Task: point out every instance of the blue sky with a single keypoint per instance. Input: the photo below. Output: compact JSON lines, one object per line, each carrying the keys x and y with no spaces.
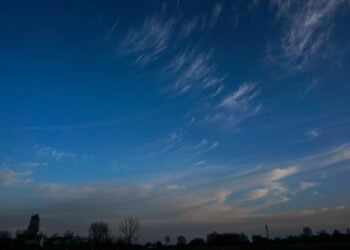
{"x":190,"y":115}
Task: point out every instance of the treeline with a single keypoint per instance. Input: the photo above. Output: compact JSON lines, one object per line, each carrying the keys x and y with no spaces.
{"x":100,"y":237}
{"x":305,"y":238}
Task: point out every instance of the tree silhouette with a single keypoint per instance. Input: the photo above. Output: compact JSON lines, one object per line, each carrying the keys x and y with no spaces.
{"x":167,"y":240}
{"x":181,"y":240}
{"x":68,"y":234}
{"x":5,"y":234}
{"x":130,"y":228}
{"x":307,"y":231}
{"x":99,"y":232}
{"x":226,"y":239}
{"x":197,"y":242}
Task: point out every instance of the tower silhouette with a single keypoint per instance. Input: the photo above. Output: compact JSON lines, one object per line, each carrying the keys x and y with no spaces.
{"x":267,"y":232}
{"x":33,"y":227}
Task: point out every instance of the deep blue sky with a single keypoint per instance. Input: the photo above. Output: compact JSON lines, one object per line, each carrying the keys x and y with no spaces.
{"x":190,"y":115}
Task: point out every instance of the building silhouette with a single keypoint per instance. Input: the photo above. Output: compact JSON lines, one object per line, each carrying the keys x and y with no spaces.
{"x":33,"y":227}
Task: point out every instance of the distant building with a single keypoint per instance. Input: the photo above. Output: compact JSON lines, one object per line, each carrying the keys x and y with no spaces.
{"x":33,"y":227}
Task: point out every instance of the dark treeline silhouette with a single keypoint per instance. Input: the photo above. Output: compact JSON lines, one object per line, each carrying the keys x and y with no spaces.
{"x":100,"y":237}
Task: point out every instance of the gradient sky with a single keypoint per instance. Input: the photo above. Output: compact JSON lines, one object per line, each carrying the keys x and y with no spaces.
{"x":192,"y":116}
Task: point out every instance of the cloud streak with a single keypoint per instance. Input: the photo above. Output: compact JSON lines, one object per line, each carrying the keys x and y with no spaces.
{"x":235,"y":107}
{"x":49,"y":152}
{"x":150,"y":40}
{"x":240,"y":98}
{"x":219,"y":195}
{"x":194,"y":71}
{"x":309,"y":27}
{"x":9,"y":177}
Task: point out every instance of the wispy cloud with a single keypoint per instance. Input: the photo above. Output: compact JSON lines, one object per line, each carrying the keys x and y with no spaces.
{"x":50,"y":152}
{"x":189,"y":26}
{"x":218,"y":90}
{"x":85,"y":124}
{"x":308,"y":28}
{"x":312,"y":133}
{"x":235,"y":107}
{"x":325,"y":158}
{"x":304,"y":185}
{"x":271,"y":186}
{"x":34,"y":164}
{"x":9,"y":177}
{"x":280,"y":173}
{"x":186,"y":150}
{"x":258,"y":193}
{"x":148,"y":41}
{"x":240,"y":98}
{"x":189,"y":69}
{"x":220,"y":195}
{"x":198,"y":163}
{"x":221,"y":191}
{"x":216,"y":12}
{"x":111,"y":30}
{"x":204,"y":22}
{"x":194,"y":71}
{"x":311,"y":86}
{"x":64,"y":192}
{"x":175,"y":147}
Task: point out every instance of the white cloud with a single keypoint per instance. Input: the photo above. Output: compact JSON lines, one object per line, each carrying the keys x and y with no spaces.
{"x":258,"y":193}
{"x":280,"y":173}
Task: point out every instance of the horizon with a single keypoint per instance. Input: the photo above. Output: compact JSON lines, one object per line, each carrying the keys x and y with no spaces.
{"x":191,"y":116}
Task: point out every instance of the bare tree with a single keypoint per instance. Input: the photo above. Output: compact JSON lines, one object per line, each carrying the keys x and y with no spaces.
{"x":130,"y":228}
{"x":100,"y":232}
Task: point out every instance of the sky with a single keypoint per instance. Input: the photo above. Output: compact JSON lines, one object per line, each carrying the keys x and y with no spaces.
{"x":192,"y":116}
